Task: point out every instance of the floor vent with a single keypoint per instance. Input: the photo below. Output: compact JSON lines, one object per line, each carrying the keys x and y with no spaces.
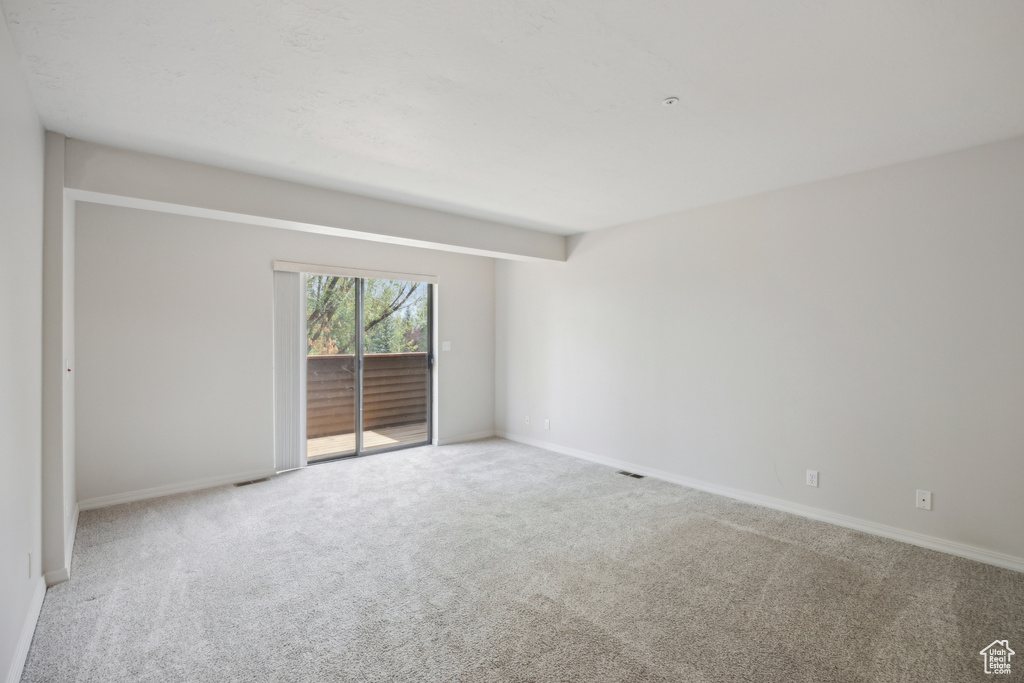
{"x":254,"y":481}
{"x":630,"y":474}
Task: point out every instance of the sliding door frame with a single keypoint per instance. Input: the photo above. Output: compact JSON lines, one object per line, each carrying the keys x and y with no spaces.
{"x":284,"y":408}
{"x":358,"y":362}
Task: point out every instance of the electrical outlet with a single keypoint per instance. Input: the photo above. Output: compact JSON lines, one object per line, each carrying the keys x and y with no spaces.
{"x":924,"y":499}
{"x":547,"y":424}
{"x":527,"y":420}
{"x":812,"y":478}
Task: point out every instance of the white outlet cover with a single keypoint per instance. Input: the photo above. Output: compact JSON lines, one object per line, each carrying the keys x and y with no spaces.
{"x":446,"y":346}
{"x":812,"y":478}
{"x":547,"y":424}
{"x":924,"y":499}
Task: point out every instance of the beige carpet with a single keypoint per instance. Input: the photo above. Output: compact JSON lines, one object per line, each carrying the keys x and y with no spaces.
{"x":494,"y":561}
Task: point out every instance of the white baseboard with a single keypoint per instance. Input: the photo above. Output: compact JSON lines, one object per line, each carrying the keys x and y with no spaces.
{"x":55,"y":576}
{"x":931,"y":542}
{"x":171,"y":489}
{"x":27,"y":630}
{"x":462,"y":438}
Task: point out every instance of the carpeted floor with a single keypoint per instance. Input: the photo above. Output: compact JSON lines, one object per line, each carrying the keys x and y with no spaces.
{"x":494,"y":561}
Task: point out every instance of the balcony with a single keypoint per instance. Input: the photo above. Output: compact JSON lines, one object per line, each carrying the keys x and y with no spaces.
{"x":395,"y":401}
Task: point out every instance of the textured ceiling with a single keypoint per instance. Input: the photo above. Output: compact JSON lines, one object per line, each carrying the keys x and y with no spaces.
{"x":543,"y":114}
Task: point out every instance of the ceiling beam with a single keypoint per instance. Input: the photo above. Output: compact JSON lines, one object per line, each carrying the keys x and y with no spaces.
{"x":108,"y":175}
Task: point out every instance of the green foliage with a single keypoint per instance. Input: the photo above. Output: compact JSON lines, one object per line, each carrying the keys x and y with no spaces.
{"x":394,"y":315}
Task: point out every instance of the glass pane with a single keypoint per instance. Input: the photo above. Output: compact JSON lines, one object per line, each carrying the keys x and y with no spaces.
{"x":395,"y":370}
{"x":330,"y":366}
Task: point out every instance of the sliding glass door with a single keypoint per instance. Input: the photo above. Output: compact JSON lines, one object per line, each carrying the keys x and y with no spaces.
{"x":368,"y":365}
{"x":331,"y":366}
{"x":396,"y":363}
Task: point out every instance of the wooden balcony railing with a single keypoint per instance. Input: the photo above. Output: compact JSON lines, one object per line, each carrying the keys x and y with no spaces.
{"x":394,"y":388}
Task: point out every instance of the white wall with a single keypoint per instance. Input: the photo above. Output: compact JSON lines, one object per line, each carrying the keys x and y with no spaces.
{"x":174,"y":342}
{"x":21,"y":267}
{"x":870,"y":327}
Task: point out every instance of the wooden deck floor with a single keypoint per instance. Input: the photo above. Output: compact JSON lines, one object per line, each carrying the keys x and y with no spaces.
{"x":328,"y":446}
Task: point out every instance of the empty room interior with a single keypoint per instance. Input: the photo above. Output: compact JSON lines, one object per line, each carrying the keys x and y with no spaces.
{"x":511,"y":341}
